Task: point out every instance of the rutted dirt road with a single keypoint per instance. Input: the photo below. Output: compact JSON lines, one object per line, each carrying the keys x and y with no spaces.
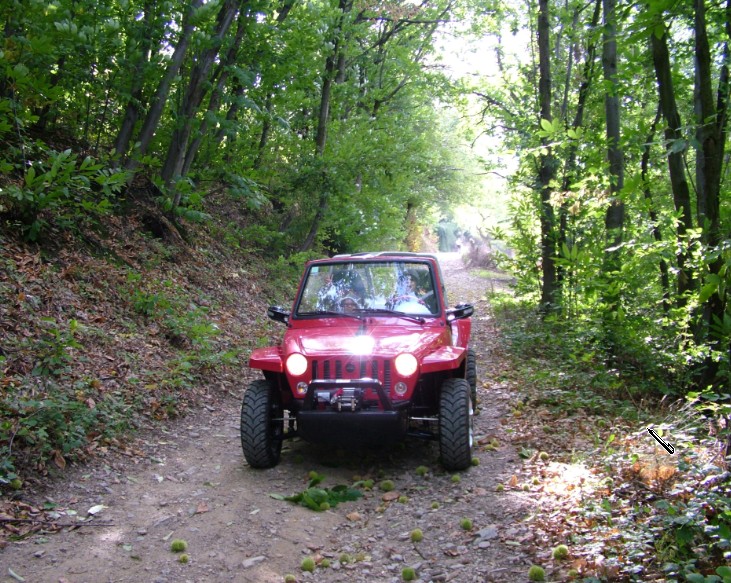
{"x":189,"y":481}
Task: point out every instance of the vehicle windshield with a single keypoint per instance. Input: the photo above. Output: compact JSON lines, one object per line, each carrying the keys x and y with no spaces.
{"x":406,"y":287}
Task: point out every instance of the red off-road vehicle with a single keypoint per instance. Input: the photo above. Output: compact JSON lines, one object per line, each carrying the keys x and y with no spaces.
{"x":371,"y":354}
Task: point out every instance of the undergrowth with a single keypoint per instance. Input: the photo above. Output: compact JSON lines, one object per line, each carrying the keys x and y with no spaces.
{"x":646,"y":514}
{"x":96,"y":345}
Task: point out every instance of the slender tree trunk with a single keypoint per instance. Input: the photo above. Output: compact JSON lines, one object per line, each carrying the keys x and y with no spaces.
{"x":676,"y":165}
{"x":647,"y":192}
{"x":134,"y":105}
{"x":572,"y":155}
{"x":266,"y":127}
{"x":334,"y":72}
{"x":547,"y":169}
{"x":199,"y":75}
{"x":157,"y":105}
{"x":222,"y":75}
{"x":711,"y":124}
{"x":283,"y":11}
{"x":614,"y":219}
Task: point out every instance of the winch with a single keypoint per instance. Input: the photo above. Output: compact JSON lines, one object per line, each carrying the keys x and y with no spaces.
{"x":347,"y":399}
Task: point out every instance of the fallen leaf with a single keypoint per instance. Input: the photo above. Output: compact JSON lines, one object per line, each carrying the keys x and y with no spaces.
{"x":59,"y":460}
{"x":201,"y":508}
{"x":390,"y":496}
{"x":94,"y":510}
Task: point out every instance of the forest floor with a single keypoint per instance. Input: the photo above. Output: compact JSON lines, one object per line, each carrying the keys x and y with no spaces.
{"x":112,"y":516}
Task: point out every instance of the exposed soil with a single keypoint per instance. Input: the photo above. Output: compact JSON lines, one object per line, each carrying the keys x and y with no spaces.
{"x":188,"y":480}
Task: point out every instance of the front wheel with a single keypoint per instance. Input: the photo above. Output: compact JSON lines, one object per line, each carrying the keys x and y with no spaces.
{"x":455,"y":425}
{"x":471,"y":376}
{"x":262,"y":425}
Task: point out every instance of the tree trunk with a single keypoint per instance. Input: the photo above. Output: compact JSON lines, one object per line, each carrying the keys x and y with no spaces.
{"x":199,"y":76}
{"x":711,"y":126}
{"x":645,"y":168}
{"x":334,"y":72}
{"x":572,"y":154}
{"x":676,"y":166}
{"x":614,"y":220}
{"x":221,"y":75}
{"x":134,"y":105}
{"x":158,"y":102}
{"x":547,"y":170}
{"x":284,"y":10}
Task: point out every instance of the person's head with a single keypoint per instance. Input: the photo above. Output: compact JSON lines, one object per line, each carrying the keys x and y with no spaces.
{"x":349,"y":304}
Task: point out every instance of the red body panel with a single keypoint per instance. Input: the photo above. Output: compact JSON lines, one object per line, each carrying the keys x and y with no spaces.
{"x":347,"y":347}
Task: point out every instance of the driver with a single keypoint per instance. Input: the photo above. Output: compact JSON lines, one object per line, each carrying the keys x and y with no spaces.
{"x":349,"y":304}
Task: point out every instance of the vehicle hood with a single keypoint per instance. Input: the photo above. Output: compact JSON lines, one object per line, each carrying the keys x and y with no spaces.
{"x":375,"y":340}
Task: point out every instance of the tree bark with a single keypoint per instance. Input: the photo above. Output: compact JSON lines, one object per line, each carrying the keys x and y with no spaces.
{"x":221,"y":76}
{"x":676,"y":165}
{"x":647,"y":192}
{"x":158,"y":102}
{"x":547,"y":169}
{"x":334,"y":73}
{"x":199,"y":75}
{"x":134,"y":105}
{"x":572,"y":154}
{"x":614,"y":220}
{"x":711,"y":125}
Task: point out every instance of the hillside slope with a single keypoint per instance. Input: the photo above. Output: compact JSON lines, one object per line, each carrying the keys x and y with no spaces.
{"x":108,"y":328}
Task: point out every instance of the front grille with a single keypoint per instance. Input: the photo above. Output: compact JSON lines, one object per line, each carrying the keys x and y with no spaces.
{"x":354,"y":368}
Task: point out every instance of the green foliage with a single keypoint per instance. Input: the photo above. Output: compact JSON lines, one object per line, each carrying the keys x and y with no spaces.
{"x":320,"y":499}
{"x":62,"y":190}
{"x":57,"y":426}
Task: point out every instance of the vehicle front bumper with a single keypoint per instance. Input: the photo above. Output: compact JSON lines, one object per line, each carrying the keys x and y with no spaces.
{"x":345,"y":418}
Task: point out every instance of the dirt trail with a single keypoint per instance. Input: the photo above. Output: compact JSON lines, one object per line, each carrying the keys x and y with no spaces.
{"x":189,"y":481}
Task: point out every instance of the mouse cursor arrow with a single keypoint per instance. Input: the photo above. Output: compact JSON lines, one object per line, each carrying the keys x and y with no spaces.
{"x":669,"y":448}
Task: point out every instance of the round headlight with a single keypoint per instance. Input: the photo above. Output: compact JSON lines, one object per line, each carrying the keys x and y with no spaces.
{"x":296,"y":364}
{"x":405,"y":364}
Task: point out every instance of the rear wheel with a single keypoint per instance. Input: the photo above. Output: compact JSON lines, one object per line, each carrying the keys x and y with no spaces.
{"x":262,"y":425}
{"x":455,"y":425}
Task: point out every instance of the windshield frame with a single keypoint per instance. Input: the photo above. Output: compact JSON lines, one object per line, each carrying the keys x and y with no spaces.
{"x":378,"y":304}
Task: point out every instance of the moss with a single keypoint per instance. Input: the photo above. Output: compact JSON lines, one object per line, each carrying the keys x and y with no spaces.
{"x":466,"y":524}
{"x":417,"y":535}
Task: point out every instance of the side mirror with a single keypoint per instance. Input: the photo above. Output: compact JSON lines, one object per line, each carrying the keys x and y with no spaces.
{"x":460,"y":311}
{"x":278,"y":314}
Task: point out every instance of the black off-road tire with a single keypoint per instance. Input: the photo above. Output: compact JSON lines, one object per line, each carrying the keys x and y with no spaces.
{"x":455,"y":425}
{"x":470,"y":375}
{"x":262,"y":427}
